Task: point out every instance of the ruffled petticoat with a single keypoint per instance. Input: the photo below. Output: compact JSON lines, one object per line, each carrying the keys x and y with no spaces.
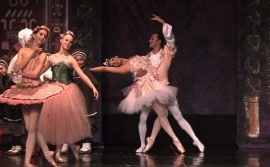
{"x":30,"y":95}
{"x":63,"y":119}
{"x":142,"y":94}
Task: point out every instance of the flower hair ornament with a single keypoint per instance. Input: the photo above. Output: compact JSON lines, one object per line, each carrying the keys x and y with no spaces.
{"x":79,"y":53}
{"x":106,"y":63}
{"x":67,"y":33}
{"x":35,"y":30}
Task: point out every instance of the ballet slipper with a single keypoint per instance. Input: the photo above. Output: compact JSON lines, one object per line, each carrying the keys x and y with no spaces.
{"x":199,"y":145}
{"x":58,"y":157}
{"x":179,"y":146}
{"x":140,"y":150}
{"x":149,"y":144}
{"x":49,"y":157}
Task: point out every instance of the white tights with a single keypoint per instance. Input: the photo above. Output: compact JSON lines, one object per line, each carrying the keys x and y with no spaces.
{"x":161,"y":121}
{"x":174,"y":109}
{"x":31,"y":116}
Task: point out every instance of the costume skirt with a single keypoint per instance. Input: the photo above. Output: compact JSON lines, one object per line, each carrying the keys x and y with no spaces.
{"x":30,"y":95}
{"x":63,"y":119}
{"x":142,"y":95}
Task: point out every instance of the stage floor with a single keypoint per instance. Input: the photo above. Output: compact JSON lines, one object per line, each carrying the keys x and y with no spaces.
{"x":125,"y":156}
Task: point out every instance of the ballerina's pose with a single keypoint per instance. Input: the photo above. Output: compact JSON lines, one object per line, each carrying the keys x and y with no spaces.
{"x":63,"y":119}
{"x":146,"y":91}
{"x":80,"y":56}
{"x":31,"y":92}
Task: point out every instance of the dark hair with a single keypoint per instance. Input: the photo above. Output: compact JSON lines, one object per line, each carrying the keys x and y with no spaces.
{"x":161,"y":38}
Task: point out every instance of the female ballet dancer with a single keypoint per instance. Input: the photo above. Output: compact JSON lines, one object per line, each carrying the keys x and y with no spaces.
{"x":31,"y":92}
{"x":80,"y":56}
{"x":63,"y":119}
{"x":145,"y":92}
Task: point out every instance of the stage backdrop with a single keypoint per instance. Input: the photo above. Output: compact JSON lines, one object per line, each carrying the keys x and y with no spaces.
{"x":16,"y":15}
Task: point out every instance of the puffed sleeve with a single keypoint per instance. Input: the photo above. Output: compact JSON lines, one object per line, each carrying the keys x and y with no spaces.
{"x":168,"y":35}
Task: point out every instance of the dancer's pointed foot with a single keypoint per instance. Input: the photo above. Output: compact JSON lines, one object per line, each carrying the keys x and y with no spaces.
{"x":199,"y":145}
{"x":149,"y":144}
{"x":59,"y":159}
{"x":49,"y":157}
{"x":179,"y":146}
{"x":140,"y":150}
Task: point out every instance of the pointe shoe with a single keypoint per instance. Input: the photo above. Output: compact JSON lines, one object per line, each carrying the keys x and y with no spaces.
{"x":149,"y":144}
{"x":140,"y":150}
{"x":179,"y":146}
{"x":27,"y":164}
{"x":49,"y":157}
{"x":58,"y":158}
{"x":199,"y":145}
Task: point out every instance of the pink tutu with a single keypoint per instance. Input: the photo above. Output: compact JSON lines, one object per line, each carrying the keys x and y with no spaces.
{"x":63,"y":119}
{"x":30,"y":95}
{"x":143,"y":93}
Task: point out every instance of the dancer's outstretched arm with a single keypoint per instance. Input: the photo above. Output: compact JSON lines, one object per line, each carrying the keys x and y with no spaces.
{"x":86,"y":80}
{"x":124,"y":69}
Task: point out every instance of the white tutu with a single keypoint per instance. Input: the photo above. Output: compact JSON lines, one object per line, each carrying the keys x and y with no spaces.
{"x":139,"y":96}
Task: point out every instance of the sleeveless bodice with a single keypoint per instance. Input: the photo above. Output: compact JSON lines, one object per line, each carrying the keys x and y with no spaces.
{"x":62,"y":73}
{"x":31,"y":65}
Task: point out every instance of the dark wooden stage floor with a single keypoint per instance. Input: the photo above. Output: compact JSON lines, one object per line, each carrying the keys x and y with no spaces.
{"x":124,"y":156}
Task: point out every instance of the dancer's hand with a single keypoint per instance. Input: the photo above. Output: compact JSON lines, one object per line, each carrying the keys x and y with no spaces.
{"x":157,"y":18}
{"x":96,"y":94}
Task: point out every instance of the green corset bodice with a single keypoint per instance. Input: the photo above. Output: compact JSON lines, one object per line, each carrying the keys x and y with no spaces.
{"x":62,"y":73}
